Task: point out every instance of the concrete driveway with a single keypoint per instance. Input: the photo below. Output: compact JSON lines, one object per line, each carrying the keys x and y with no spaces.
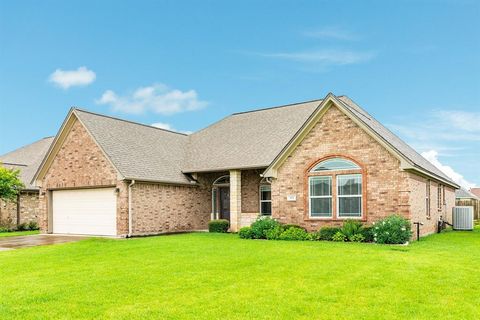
{"x":9,"y":243}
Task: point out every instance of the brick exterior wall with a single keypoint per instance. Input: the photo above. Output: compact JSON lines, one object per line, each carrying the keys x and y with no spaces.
{"x":418,"y":205}
{"x":80,"y":163}
{"x":8,"y":213}
{"x":388,"y":189}
{"x":29,"y":209}
{"x":159,"y":208}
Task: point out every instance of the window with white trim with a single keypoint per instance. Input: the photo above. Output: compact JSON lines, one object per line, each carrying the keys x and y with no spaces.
{"x":320,"y":196}
{"x":335,"y":190}
{"x":265,"y":200}
{"x":349,"y":195}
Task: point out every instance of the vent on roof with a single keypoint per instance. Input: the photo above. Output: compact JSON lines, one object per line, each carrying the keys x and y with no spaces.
{"x":463,"y":218}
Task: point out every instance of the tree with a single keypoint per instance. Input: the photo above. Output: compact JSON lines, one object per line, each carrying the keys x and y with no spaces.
{"x":10,"y":183}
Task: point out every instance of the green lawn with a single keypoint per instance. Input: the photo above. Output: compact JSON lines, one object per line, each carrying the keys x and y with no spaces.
{"x":18,"y":233}
{"x":218,"y":276}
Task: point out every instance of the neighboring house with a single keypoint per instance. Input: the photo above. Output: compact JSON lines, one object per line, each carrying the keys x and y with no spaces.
{"x":26,"y":159}
{"x":468,"y":198}
{"x":313,"y":164}
{"x":475,"y":191}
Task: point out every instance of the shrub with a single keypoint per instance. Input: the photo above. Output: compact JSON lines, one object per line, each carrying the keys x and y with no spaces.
{"x":351,"y":228}
{"x":358,"y":237}
{"x":23,"y":227}
{"x":33,"y":225}
{"x":327,"y":233}
{"x":288,"y":226}
{"x":4,"y":229}
{"x":393,"y":229}
{"x":367,"y":233}
{"x":245,"y":233}
{"x":262,"y":225}
{"x":339,"y":237}
{"x":274,"y":234}
{"x":220,"y":226}
{"x":294,"y":233}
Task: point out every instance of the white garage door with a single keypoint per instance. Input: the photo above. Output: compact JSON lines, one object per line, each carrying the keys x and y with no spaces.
{"x":85,"y":211}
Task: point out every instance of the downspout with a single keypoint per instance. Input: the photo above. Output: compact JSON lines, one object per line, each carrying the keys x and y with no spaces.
{"x":130,"y":208}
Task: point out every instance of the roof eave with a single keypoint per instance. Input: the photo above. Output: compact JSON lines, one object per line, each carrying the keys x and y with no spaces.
{"x":228,"y":168}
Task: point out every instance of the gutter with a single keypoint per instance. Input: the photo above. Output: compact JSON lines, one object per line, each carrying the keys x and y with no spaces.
{"x":130,"y":209}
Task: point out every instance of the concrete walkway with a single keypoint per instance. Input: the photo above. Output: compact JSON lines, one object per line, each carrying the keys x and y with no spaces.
{"x":8,"y":243}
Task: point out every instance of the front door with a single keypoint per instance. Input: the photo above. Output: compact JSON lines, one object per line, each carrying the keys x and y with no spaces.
{"x":224,"y":203}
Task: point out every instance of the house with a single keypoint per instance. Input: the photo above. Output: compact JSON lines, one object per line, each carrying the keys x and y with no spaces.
{"x":26,"y":159}
{"x":313,"y":163}
{"x":464,"y":197}
{"x":475,"y":191}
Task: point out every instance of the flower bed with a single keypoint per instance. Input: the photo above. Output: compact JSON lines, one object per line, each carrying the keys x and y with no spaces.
{"x":393,"y":229}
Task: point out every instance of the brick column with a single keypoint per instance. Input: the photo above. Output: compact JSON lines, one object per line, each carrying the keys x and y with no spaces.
{"x":235,"y":199}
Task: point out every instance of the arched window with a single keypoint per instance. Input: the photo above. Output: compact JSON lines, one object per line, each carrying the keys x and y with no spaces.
{"x":335,"y":190}
{"x":223,"y":180}
{"x":335,"y":164}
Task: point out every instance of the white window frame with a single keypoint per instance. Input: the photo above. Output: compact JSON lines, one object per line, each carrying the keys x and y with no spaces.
{"x":310,"y":197}
{"x":338,"y":196}
{"x":262,"y":201}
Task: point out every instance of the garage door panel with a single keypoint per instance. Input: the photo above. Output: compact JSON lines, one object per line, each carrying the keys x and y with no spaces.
{"x":85,"y":211}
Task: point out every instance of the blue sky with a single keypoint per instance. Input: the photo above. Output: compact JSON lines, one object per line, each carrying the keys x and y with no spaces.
{"x":414,"y":65}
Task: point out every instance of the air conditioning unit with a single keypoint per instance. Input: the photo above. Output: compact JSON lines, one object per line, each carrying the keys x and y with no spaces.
{"x":463,"y":218}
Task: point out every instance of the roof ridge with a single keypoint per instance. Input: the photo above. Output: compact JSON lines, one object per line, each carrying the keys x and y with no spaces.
{"x":129,"y":121}
{"x":276,"y":107}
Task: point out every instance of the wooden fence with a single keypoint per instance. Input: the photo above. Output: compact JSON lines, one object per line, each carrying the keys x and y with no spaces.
{"x":470,"y":202}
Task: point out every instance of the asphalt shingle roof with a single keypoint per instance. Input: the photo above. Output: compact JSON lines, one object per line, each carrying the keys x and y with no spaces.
{"x":462,"y":193}
{"x":248,"y":139}
{"x":242,"y":140}
{"x":139,"y":151}
{"x":27,"y":159}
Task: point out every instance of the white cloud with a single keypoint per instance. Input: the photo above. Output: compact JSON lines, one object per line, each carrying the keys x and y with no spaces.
{"x":432,"y":156}
{"x":324,"y":57}
{"x":167,"y":126}
{"x":157,"y":98}
{"x":331,"y":33}
{"x":71,"y":78}
{"x":468,"y":121}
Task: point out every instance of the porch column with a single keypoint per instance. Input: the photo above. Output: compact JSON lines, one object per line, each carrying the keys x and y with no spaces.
{"x":235,"y":199}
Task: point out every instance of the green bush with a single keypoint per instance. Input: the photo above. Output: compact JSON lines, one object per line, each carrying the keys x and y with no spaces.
{"x":358,"y":237}
{"x":394,"y":229}
{"x":339,"y":237}
{"x":262,"y":226}
{"x":351,"y":228}
{"x":33,"y":225}
{"x":245,"y":233}
{"x":4,"y":229}
{"x":274,"y":234}
{"x":327,"y":233}
{"x":220,"y":226}
{"x":367,"y":233}
{"x":23,"y":227}
{"x":288,"y":226}
{"x":294,"y":233}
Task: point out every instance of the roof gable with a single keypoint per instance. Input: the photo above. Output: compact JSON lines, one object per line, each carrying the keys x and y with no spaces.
{"x":409,"y":158}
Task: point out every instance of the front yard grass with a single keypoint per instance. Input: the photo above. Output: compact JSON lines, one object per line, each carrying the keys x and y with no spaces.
{"x":219,"y":276}
{"x":18,"y":233}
